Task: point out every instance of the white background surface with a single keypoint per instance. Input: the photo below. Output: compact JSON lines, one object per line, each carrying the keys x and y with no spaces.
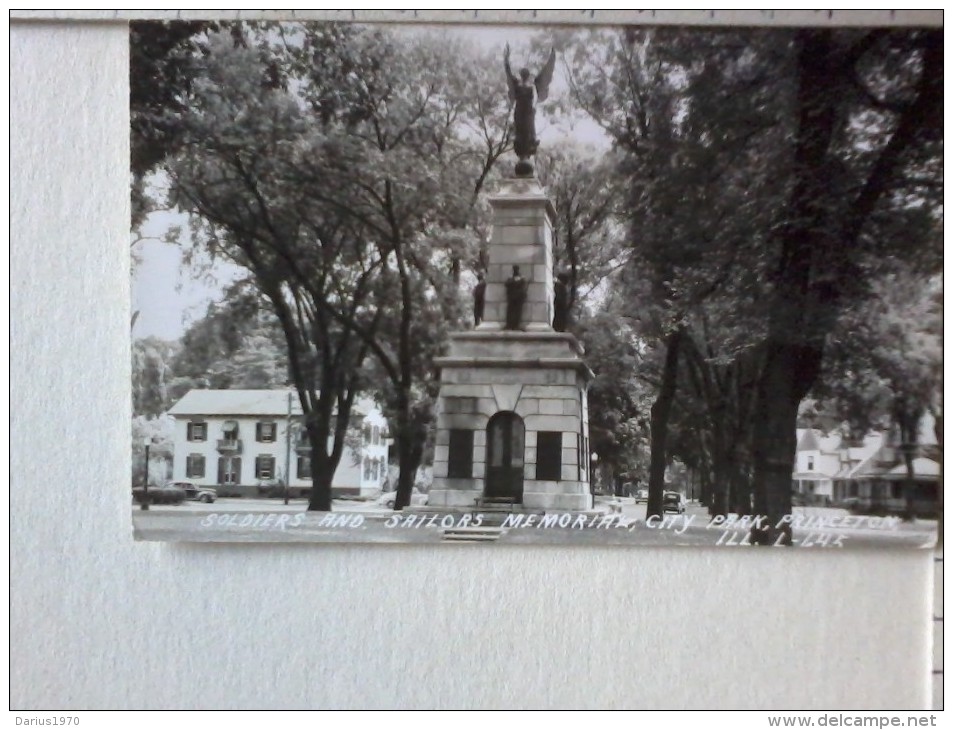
{"x":99,"y":621}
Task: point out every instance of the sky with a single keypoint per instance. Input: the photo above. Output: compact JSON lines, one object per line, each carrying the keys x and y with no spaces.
{"x":168,"y":296}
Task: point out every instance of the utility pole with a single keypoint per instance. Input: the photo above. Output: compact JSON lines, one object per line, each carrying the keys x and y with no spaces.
{"x":145,"y":483}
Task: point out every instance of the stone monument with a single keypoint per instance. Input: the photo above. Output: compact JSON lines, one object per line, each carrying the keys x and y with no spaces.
{"x":512,"y":412}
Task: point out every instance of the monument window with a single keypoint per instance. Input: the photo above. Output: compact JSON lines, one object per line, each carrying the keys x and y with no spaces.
{"x":549,"y":455}
{"x":460,"y":456}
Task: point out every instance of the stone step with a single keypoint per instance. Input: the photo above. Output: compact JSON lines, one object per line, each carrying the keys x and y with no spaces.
{"x":472,"y":534}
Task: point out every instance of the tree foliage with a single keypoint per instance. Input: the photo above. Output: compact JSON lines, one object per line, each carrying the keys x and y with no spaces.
{"x":769,"y":173}
{"x":341,"y":168}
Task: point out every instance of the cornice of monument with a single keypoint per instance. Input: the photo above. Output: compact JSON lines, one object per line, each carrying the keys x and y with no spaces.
{"x":516,"y":191}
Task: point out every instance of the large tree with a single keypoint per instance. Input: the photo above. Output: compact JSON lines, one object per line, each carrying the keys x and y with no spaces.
{"x":245,"y":170}
{"x":688,"y":112}
{"x":342,"y":168}
{"x":768,"y":168}
{"x":424,"y":124}
{"x":867,"y":127}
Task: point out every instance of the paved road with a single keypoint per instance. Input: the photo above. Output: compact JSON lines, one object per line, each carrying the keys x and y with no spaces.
{"x":259,"y":520}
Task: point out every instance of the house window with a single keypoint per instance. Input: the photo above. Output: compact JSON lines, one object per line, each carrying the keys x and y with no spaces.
{"x":197,"y":431}
{"x":303,"y":468}
{"x":265,"y":467}
{"x":896,"y":490}
{"x":460,"y":454}
{"x":367,"y":433}
{"x":265,"y":431}
{"x":852,"y":490}
{"x":549,"y":455}
{"x":810,"y":463}
{"x":376,"y":437}
{"x":194,"y":466}
{"x":367,"y":469}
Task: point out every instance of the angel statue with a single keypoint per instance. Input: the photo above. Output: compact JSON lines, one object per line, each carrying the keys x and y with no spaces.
{"x":526,"y":94}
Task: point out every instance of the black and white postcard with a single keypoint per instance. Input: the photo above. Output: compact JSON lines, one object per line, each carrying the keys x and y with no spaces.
{"x":634,"y":285}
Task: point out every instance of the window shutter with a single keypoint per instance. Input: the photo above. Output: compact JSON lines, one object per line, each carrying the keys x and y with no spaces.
{"x":221,"y":470}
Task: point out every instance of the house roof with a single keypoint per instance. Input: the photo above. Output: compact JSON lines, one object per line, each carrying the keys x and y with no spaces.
{"x":922,"y":468}
{"x":868,"y":467}
{"x":203,"y":402}
{"x":807,"y":441}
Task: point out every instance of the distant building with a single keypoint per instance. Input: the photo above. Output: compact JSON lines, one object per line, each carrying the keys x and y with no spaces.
{"x":243,"y":443}
{"x":869,"y":476}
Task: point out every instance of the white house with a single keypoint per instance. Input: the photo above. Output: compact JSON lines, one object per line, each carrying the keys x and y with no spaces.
{"x":248,"y":442}
{"x":819,"y":457}
{"x":830,"y":470}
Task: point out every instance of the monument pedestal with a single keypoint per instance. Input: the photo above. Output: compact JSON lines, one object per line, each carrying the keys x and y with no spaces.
{"x":512,"y":413}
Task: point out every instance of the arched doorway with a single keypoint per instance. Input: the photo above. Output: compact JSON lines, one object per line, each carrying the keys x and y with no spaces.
{"x":505,"y":442}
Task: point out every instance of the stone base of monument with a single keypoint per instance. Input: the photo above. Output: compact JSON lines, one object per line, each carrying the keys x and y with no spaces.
{"x":512,"y":413}
{"x":520,"y":397}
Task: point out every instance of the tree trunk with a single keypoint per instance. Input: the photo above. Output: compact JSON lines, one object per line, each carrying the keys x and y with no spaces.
{"x":406,"y":474}
{"x":719,"y":487}
{"x":740,"y":489}
{"x":322,"y":471}
{"x":774,"y":438}
{"x":908,"y":484}
{"x":908,"y":419}
{"x":411,"y":437}
{"x":798,"y":317}
{"x":661,"y":410}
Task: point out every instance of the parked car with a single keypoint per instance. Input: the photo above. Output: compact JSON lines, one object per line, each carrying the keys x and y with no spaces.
{"x":641,"y":495}
{"x":271,"y":488}
{"x":672,"y":502}
{"x":167,"y":494}
{"x":387,"y":499}
{"x":196,"y":492}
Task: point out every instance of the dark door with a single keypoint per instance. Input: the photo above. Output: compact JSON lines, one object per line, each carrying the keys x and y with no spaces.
{"x":505,"y":444}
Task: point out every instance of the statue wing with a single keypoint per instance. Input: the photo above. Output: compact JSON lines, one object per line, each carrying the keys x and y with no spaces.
{"x":511,"y":81}
{"x":545,"y":77}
